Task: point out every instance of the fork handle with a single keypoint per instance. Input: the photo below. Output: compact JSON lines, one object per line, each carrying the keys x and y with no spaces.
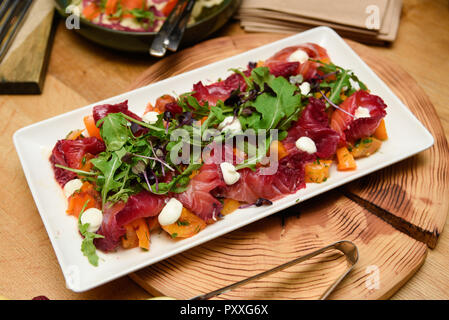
{"x":160,"y":42}
{"x":175,"y":37}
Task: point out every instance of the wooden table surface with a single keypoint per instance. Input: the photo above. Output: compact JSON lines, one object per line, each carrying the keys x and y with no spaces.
{"x":28,"y":265}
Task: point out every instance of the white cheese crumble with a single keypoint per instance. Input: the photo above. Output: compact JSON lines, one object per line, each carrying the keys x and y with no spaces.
{"x":150,"y":117}
{"x":71,"y":186}
{"x":230,"y":174}
{"x":299,"y":55}
{"x":130,"y":23}
{"x":304,"y":88}
{"x":306,"y":144}
{"x":231,"y":125}
{"x":170,"y":213}
{"x":94,"y":217}
{"x":200,"y":4}
{"x":361,"y":112}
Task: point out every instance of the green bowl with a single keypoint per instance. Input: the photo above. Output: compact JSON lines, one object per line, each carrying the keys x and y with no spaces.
{"x":210,"y":21}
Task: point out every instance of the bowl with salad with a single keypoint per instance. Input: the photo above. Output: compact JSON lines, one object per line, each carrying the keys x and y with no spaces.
{"x":131,"y":25}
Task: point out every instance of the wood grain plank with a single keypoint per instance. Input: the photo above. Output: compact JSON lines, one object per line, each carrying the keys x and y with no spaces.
{"x":414,"y":190}
{"x":283,"y":237}
{"x":20,"y":71}
{"x":95,"y":73}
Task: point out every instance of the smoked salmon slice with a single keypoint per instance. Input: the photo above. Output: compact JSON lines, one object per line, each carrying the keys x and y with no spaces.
{"x":348,"y":126}
{"x":307,"y":69}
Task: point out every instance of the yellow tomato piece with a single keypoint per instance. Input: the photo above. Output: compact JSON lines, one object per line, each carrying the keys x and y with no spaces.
{"x":366,"y":147}
{"x":345,"y":160}
{"x":229,"y":206}
{"x":278,"y":147}
{"x":187,"y":225}
{"x":317,"y":171}
{"x":142,"y":232}
{"x":381,"y":131}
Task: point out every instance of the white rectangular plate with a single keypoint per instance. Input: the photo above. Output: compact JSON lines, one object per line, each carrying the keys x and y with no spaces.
{"x":407,"y":136}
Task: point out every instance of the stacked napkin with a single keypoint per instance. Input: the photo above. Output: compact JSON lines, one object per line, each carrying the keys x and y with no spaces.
{"x":371,"y":21}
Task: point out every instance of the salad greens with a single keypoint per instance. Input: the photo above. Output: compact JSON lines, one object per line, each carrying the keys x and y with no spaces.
{"x":138,"y":155}
{"x":87,"y":246}
{"x":336,"y":81}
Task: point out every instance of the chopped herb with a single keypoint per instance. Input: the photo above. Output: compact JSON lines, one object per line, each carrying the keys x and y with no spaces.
{"x":81,"y":172}
{"x":367,"y":140}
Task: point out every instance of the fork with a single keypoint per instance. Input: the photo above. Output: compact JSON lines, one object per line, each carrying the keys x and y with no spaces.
{"x":171,"y":32}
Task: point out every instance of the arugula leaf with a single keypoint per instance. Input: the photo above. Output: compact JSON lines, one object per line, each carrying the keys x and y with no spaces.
{"x":142,"y":14}
{"x":261,"y":75}
{"x":156,"y":129}
{"x":178,"y":184}
{"x":190,"y":103}
{"x":273,"y":109}
{"x":108,"y":163}
{"x":341,"y":83}
{"x":218,"y":112}
{"x":87,"y":245}
{"x":80,"y":172}
{"x":114,"y":131}
{"x":337,"y":86}
{"x":260,"y":154}
{"x":250,"y":121}
{"x":119,"y":11}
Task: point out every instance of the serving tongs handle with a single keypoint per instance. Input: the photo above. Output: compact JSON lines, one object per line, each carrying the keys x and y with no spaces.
{"x":171,"y":32}
{"x":348,"y":248}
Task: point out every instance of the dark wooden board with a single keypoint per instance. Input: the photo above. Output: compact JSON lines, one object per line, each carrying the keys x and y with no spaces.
{"x":23,"y":69}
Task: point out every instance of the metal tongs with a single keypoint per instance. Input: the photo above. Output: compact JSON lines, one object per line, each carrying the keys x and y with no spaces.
{"x":171,"y":32}
{"x":348,"y":248}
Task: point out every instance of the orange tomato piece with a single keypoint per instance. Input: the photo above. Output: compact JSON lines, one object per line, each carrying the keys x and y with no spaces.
{"x":187,"y":225}
{"x":75,"y":134}
{"x":366,"y":147}
{"x":137,"y":235}
{"x":162,"y":101}
{"x":130,"y":5}
{"x":130,"y":240}
{"x":153,"y":223}
{"x":91,"y":127}
{"x":143,"y":233}
{"x":91,"y":11}
{"x":345,"y":160}
{"x":88,"y":194}
{"x":111,"y":7}
{"x":381,"y":131}
{"x":85,"y":164}
{"x":150,"y":108}
{"x":229,"y":206}
{"x":169,"y":7}
{"x":203,"y":119}
{"x":278,"y":147}
{"x":194,"y":173}
{"x":317,"y":171}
